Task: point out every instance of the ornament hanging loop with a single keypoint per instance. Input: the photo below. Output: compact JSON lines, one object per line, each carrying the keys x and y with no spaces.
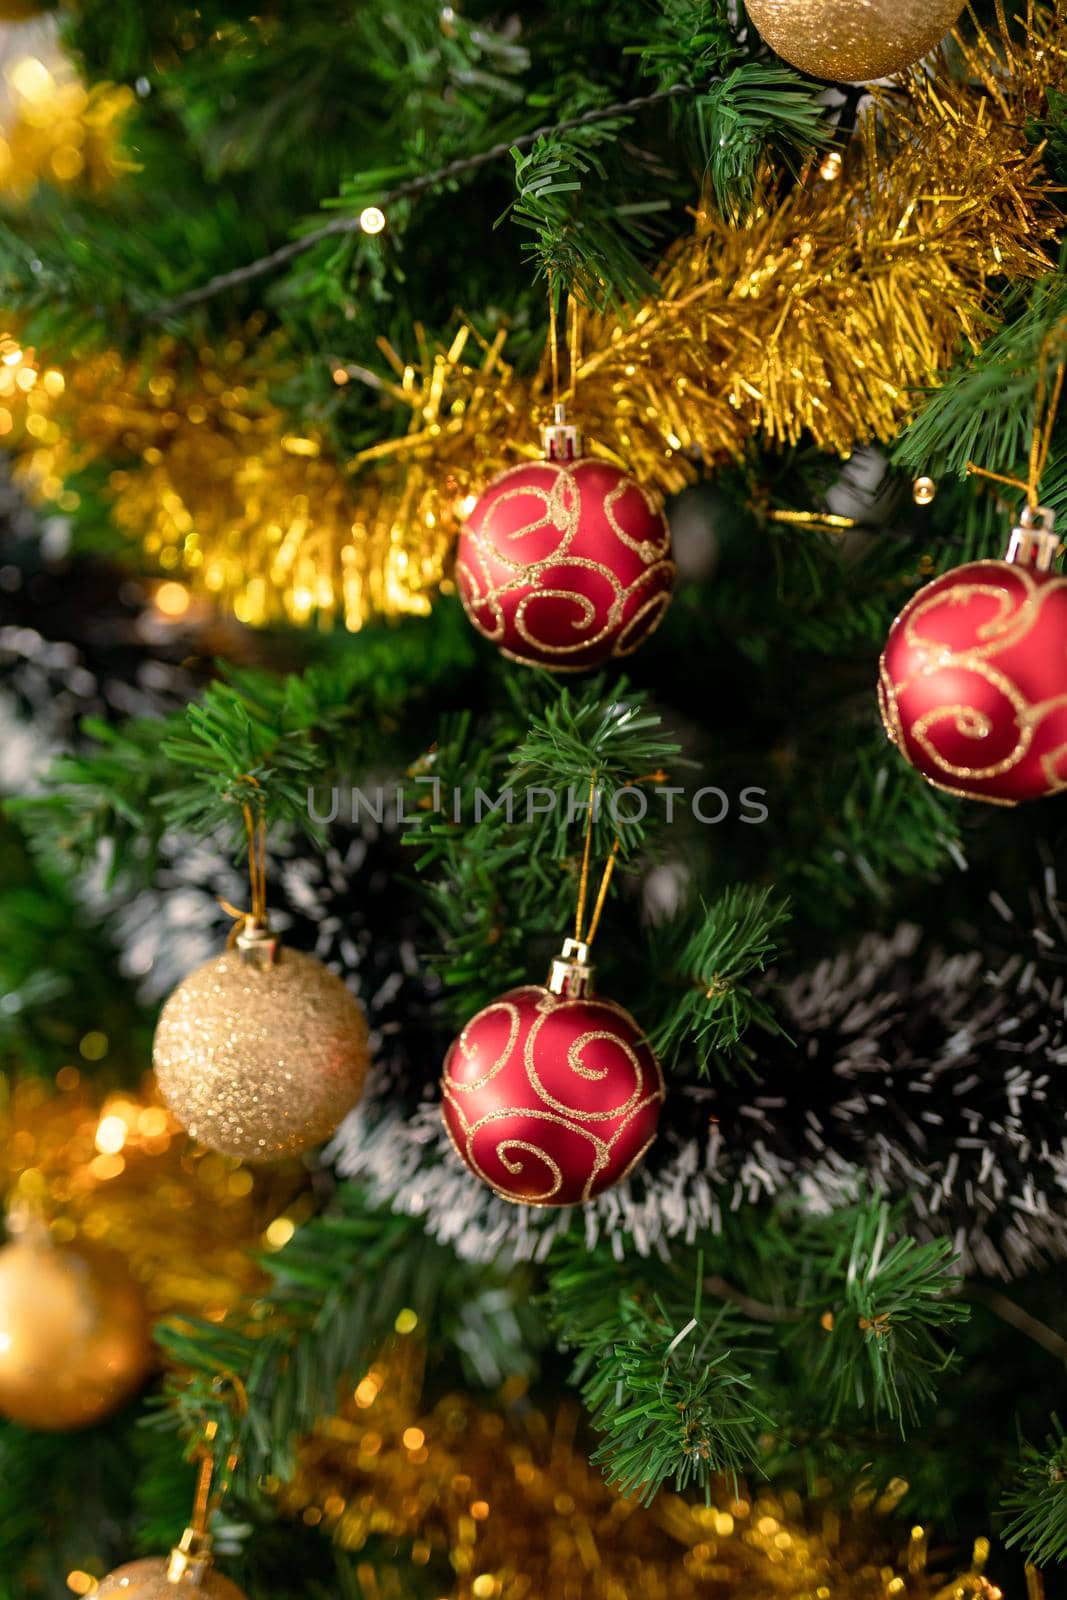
{"x":560,"y":439}
{"x":1033,"y":540}
{"x":571,"y":973}
{"x":190,"y":1560}
{"x":251,"y":932}
{"x":1046,"y":407}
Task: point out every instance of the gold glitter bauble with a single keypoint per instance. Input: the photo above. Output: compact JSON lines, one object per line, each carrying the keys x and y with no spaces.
{"x":74,"y":1339}
{"x":853,"y":41}
{"x":147,"y":1580}
{"x":261,"y":1060}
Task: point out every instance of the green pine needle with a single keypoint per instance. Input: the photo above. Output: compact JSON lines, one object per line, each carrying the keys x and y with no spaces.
{"x":1037,"y":1501}
{"x":883,"y":1307}
{"x":761,"y":112}
{"x":733,"y":943}
{"x":662,"y":1380}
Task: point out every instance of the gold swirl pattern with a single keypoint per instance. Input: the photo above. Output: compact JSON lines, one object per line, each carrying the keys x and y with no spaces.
{"x":565,"y":565}
{"x":973,"y":682}
{"x":551,"y":1100}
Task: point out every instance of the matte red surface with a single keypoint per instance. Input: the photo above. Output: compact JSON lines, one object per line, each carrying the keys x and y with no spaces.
{"x":548,"y":1100}
{"x":564,"y":565}
{"x":973,"y":684}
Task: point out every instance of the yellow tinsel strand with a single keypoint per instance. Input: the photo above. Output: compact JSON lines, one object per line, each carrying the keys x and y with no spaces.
{"x":60,"y":132}
{"x":507,"y":1503}
{"x":824,"y":315}
{"x":122,"y":1173}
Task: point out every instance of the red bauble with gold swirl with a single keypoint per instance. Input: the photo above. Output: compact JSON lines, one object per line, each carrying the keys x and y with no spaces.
{"x":565,"y":563}
{"x":973,"y":682}
{"x":551,"y":1098}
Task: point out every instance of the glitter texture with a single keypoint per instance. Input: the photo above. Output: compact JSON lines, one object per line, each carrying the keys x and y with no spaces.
{"x":853,"y":41}
{"x":261,"y":1061}
{"x":147,"y":1580}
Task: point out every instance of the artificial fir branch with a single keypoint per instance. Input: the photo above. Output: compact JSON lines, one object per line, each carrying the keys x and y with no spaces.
{"x":883,"y":1307}
{"x":716,"y":969}
{"x":59,"y":978}
{"x":984,"y":412}
{"x":667,"y":1385}
{"x":681,"y":1392}
{"x":885,"y":823}
{"x":585,"y":243}
{"x":684,"y":41}
{"x":339,"y":1288}
{"x":759,"y":112}
{"x":252,"y":735}
{"x":1036,"y":1502}
{"x":592,"y":749}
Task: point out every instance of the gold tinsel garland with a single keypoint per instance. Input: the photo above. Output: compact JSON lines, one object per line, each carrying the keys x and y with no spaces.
{"x":58,"y":131}
{"x":823,"y":315}
{"x":504,"y":1505}
{"x":123,"y":1174}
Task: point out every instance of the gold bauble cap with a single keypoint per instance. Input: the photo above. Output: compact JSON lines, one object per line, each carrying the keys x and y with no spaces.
{"x":261,"y":1053}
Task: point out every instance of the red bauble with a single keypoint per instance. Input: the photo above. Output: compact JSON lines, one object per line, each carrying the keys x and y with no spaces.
{"x":550,"y":1100}
{"x":564,"y":564}
{"x":973,"y":682}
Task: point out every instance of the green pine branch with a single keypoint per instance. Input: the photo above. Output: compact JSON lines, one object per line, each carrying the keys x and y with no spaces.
{"x":587,"y":241}
{"x":886,"y":825}
{"x":1036,"y":1501}
{"x":338,"y":1288}
{"x":984,"y":412}
{"x":608,"y":739}
{"x":761,"y":114}
{"x":716,"y":968}
{"x":664,"y":1381}
{"x":772,"y":1332}
{"x":684,"y":41}
{"x":59,"y":977}
{"x":883,"y":1306}
{"x":252,"y":738}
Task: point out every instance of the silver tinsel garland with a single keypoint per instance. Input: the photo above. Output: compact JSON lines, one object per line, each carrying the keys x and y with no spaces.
{"x":930,"y":1078}
{"x":925,"y":1073}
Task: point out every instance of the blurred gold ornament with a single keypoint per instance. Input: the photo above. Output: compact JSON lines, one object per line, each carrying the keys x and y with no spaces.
{"x":509,"y":1500}
{"x":74,"y":1341}
{"x":59,"y":131}
{"x":852,"y":41}
{"x":122,"y":1175}
{"x":21,"y":10}
{"x":924,"y":491}
{"x":261,"y":1052}
{"x":825,"y":315}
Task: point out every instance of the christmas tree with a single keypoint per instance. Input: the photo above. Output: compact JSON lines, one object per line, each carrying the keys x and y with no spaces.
{"x":534,"y":705}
